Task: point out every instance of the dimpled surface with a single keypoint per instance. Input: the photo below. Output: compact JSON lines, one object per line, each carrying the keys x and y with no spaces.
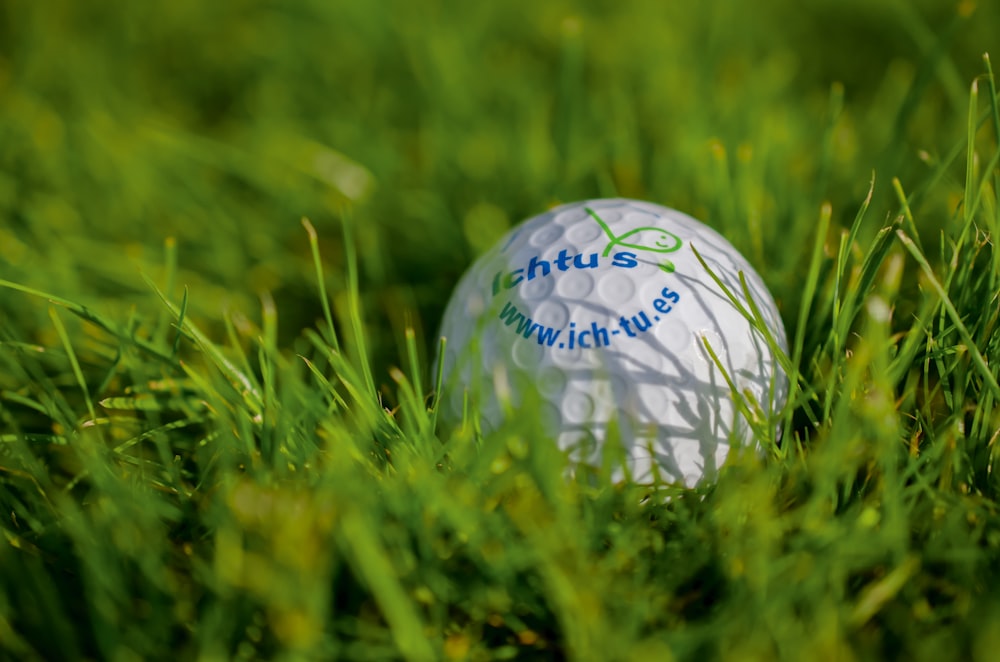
{"x":600,"y":308}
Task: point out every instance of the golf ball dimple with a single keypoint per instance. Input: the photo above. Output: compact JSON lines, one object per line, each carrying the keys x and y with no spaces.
{"x":602,"y":308}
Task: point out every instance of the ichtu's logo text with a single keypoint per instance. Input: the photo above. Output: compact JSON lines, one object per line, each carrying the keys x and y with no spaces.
{"x":648,"y":239}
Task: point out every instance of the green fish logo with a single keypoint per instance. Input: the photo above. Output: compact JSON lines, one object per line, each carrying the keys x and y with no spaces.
{"x":651,"y":239}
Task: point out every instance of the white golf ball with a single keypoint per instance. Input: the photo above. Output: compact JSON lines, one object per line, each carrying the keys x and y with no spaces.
{"x":601,"y":309}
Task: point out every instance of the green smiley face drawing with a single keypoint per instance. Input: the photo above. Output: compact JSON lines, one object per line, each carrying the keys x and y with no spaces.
{"x":655,"y":240}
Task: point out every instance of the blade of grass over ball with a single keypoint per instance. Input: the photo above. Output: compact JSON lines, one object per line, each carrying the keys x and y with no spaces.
{"x":755,"y":319}
{"x":956,"y":319}
{"x":321,"y":283}
{"x":736,"y":396}
{"x":722,"y":286}
{"x":776,"y":350}
{"x":758,"y":322}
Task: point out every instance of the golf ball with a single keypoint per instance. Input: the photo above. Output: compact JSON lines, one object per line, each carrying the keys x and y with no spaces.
{"x":602,"y":310}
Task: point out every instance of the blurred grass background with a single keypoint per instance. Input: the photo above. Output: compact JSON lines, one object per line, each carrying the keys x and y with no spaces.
{"x":440,"y":124}
{"x":183,"y":141}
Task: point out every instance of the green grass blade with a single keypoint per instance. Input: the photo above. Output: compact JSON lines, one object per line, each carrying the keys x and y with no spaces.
{"x":970,"y":345}
{"x":354,"y":309}
{"x":74,"y":363}
{"x":100,"y":321}
{"x":321,"y":284}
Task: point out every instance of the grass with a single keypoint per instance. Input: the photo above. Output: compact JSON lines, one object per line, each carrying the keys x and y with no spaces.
{"x":217,"y":431}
